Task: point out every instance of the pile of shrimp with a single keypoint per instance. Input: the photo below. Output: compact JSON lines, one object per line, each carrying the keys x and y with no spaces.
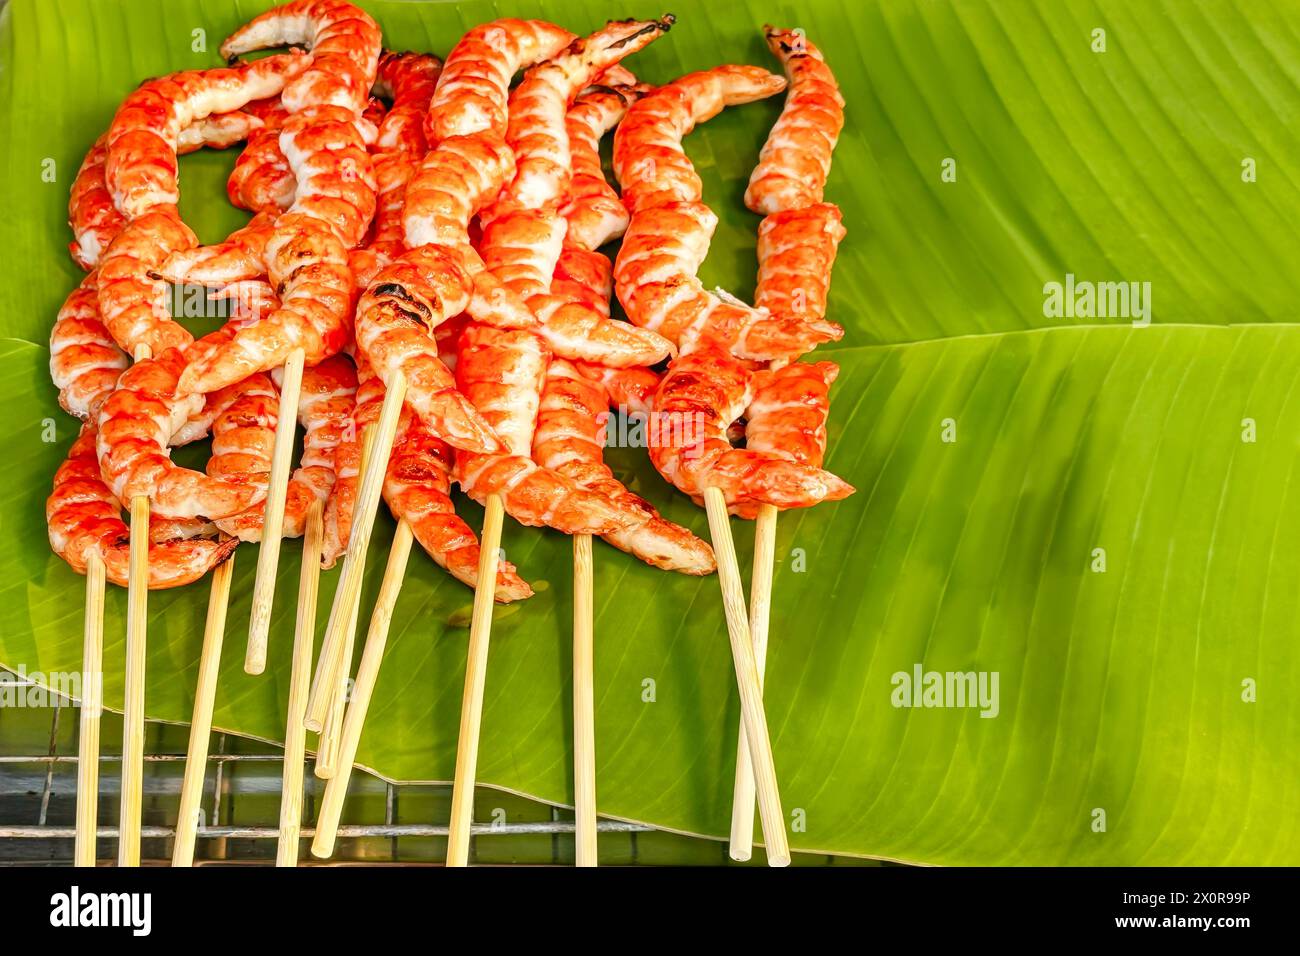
{"x":426,"y":218}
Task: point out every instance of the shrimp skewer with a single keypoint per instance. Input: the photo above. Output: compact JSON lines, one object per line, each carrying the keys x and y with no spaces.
{"x":306,"y":254}
{"x":85,"y":363}
{"x":668,"y":238}
{"x":797,"y":242}
{"x":707,"y":386}
{"x":502,"y":372}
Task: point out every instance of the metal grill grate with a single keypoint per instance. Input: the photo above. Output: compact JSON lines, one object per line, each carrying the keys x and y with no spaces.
{"x":383,"y":823}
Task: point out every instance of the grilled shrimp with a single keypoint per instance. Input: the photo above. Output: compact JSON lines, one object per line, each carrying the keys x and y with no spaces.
{"x":796,"y":159}
{"x":85,"y":362}
{"x":241,"y":256}
{"x":94,"y":219}
{"x":344,"y":42}
{"x":787,"y":413}
{"x":629,"y":389}
{"x":525,"y":233}
{"x":394,"y":331}
{"x":308,"y":264}
{"x":417,"y":487}
{"x":502,"y":371}
{"x":668,"y":238}
{"x":471,"y":93}
{"x":243,"y":436}
{"x":569,"y":440}
{"x":537,"y":131}
{"x":796,"y":251}
{"x":85,"y":519}
{"x":262,"y":178}
{"x":408,"y":80}
{"x":455,"y":180}
{"x":325,"y":412}
{"x":135,"y":427}
{"x":133,"y":304}
{"x":593,"y":211}
{"x":698,"y":398}
{"x":143,"y":139}
{"x":798,"y":240}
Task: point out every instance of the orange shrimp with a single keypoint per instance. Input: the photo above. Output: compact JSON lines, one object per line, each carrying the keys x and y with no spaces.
{"x":135,"y":427}
{"x":408,"y":79}
{"x":85,"y":519}
{"x":698,"y":398}
{"x":796,"y":159}
{"x":323,"y":141}
{"x":593,"y":211}
{"x":798,"y":240}
{"x":84,"y":360}
{"x":395,"y":321}
{"x":525,"y":233}
{"x":668,"y":238}
{"x":344,"y":42}
{"x":537,"y":131}
{"x":796,"y":251}
{"x":471,"y":93}
{"x":140,"y":168}
{"x":325,"y":412}
{"x":455,"y":180}
{"x":501,"y":371}
{"x":262,"y":178}
{"x":244,"y":417}
{"x":569,"y":440}
{"x":417,"y":487}
{"x":95,"y":221}
{"x":308,"y":264}
{"x":629,"y":389}
{"x":787,"y":413}
{"x":241,"y":256}
{"x":133,"y":302}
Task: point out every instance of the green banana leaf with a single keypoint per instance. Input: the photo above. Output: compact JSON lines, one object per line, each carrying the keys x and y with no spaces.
{"x":1101,"y":513}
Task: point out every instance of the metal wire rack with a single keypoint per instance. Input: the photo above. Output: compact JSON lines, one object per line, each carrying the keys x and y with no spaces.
{"x":383,"y":823}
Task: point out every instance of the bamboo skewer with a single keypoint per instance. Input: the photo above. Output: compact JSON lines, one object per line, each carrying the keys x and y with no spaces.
{"x":348,"y":595}
{"x":471,"y":705}
{"x":747,"y":679}
{"x":295,"y":741}
{"x":268,"y":557}
{"x":328,"y":745}
{"x":137,"y":620}
{"x":372,"y":656}
{"x":205,"y":695}
{"x":760,"y":607}
{"x":92,"y":706}
{"x":584,"y":717}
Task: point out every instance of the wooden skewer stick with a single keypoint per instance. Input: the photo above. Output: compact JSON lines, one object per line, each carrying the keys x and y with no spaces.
{"x":137,"y":620}
{"x":751,"y":693}
{"x":336,"y":791}
{"x":295,"y":740}
{"x":760,"y":607}
{"x":92,"y":706}
{"x":348,"y":595}
{"x":268,"y":557}
{"x":471,"y":704}
{"x":205,"y":695}
{"x":327,"y":747}
{"x":584,"y":712}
